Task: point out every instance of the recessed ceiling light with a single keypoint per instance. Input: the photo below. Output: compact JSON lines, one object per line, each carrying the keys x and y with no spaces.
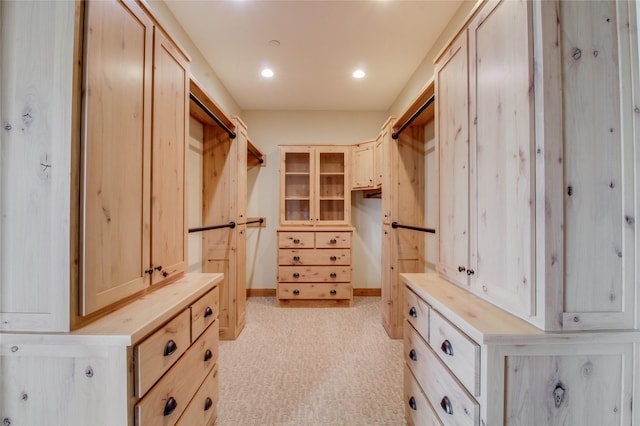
{"x":267,"y":73}
{"x":358,"y":74}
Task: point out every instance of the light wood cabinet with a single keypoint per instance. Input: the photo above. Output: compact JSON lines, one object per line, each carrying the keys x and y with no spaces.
{"x":314,"y":185}
{"x":469,"y":362}
{"x":363,"y":171}
{"x":133,"y":166}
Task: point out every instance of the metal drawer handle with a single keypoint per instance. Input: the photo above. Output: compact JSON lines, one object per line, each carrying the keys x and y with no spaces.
{"x":208,"y":312}
{"x":296,"y":258}
{"x":461,"y":269}
{"x":333,"y":292}
{"x":333,"y":275}
{"x":412,"y":355}
{"x":296,"y":291}
{"x":447,"y":348}
{"x":170,"y":348}
{"x":208,"y":355}
{"x":170,"y":406}
{"x":446,"y":405}
{"x":296,"y":275}
{"x":412,"y":403}
{"x":296,"y":241}
{"x":333,"y":258}
{"x":333,"y":241}
{"x":208,"y":403}
{"x":413,"y":312}
{"x":470,"y":272}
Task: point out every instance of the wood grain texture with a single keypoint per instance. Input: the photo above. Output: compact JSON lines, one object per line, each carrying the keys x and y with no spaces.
{"x":362,"y":165}
{"x":422,"y":414}
{"x":198,"y":412}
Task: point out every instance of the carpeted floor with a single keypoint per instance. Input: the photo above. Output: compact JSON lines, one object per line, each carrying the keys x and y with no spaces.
{"x":311,"y":366}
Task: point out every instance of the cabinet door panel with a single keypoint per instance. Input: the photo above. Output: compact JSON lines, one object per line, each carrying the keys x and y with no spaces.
{"x":170,"y":126}
{"x":116,"y":144}
{"x":502,"y":141}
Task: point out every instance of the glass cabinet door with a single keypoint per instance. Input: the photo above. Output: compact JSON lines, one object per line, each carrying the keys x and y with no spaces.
{"x":331,"y":186}
{"x":297,"y":186}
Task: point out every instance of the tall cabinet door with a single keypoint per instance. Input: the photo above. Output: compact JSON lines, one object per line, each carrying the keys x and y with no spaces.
{"x":332,"y":191}
{"x":296,"y":183}
{"x":116,"y":153}
{"x":502,"y":143}
{"x":452,"y":134}
{"x":170,"y":126}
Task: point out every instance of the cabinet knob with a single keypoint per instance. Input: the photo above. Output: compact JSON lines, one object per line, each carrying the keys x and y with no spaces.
{"x":333,"y":275}
{"x":412,"y":355}
{"x":296,"y":241}
{"x":158,"y":268}
{"x":296,"y":291}
{"x":208,"y":403}
{"x":333,"y":258}
{"x":148,"y":271}
{"x":208,"y":312}
{"x":333,"y":241}
{"x":333,"y":292}
{"x":413,"y":312}
{"x":296,"y":275}
{"x":296,"y":258}
{"x":447,"y":348}
{"x":170,"y":406}
{"x":208,"y":355}
{"x":170,"y":348}
{"x":412,"y":403}
{"x":470,"y":272}
{"x":446,"y":405}
{"x":461,"y":268}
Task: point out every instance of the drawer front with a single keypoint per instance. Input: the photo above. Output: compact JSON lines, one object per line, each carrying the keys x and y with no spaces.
{"x":333,"y":240}
{"x":417,"y":410}
{"x":180,"y":383}
{"x":297,"y":239}
{"x":202,"y":409}
{"x":456,"y":350}
{"x":204,"y":312}
{"x":314,"y":257}
{"x":314,"y":274}
{"x":452,"y":403}
{"x":158,"y":352}
{"x":416,"y":311}
{"x":314,"y":291}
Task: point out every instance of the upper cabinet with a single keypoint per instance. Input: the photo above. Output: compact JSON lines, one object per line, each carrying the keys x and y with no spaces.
{"x":133,"y":155}
{"x":536,"y":171}
{"x":363,"y":165}
{"x":314,"y":185}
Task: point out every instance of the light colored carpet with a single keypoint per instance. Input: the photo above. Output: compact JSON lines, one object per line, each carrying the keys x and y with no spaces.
{"x":311,"y":366}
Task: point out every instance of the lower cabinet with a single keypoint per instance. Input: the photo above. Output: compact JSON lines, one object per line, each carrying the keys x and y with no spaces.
{"x":151,"y":362}
{"x":314,"y":267}
{"x":470,"y":363}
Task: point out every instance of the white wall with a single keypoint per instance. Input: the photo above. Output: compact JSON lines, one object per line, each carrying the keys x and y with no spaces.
{"x":268,"y":129}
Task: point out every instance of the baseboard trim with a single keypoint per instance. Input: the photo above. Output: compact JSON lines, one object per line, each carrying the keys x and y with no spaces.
{"x":271,"y":292}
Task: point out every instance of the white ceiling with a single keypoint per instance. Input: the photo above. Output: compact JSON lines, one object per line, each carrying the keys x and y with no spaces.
{"x":321,"y":44}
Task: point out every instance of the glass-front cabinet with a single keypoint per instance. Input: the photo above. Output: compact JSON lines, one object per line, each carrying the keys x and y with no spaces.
{"x":313,"y":185}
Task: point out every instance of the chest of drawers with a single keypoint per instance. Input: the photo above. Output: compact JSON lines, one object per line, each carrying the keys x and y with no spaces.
{"x":314,"y":267}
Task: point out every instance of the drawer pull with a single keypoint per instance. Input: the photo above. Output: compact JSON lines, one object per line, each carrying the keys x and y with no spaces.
{"x":333,"y":292}
{"x":170,"y":348}
{"x":333,"y":241}
{"x":461,"y":269}
{"x":296,"y":258}
{"x":333,"y":258}
{"x":412,"y":355}
{"x":208,"y":355}
{"x":170,"y":406}
{"x":208,"y":312}
{"x":208,"y":403}
{"x":333,"y":275}
{"x":296,"y":291}
{"x":446,"y":405}
{"x":296,"y":275}
{"x":470,"y":272}
{"x":296,"y":241}
{"x":412,"y":404}
{"x":447,"y":348}
{"x":413,"y":312}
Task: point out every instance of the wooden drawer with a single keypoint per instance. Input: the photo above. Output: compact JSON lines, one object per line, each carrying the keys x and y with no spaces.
{"x":204,"y":312}
{"x":333,"y":240}
{"x":456,"y":350}
{"x":202,"y":409}
{"x":180,"y":383}
{"x":453,"y":404}
{"x":314,"y":274}
{"x":314,"y":257}
{"x":314,"y":291}
{"x":158,"y":352}
{"x":296,"y":239}
{"x":417,"y":410}
{"x":416,"y":311}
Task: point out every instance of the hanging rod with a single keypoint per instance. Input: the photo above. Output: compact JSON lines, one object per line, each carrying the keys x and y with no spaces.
{"x":373,"y":194}
{"x":415,"y":115}
{"x":259,"y":220}
{"x":207,"y":228}
{"x":215,"y":118}
{"x":259,"y":158}
{"x":414,"y":228}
